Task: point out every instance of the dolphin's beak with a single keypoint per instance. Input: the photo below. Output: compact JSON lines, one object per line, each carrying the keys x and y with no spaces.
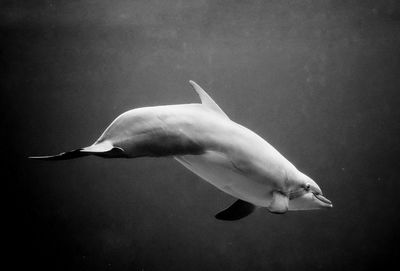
{"x":317,"y":192}
{"x":309,"y":201}
{"x":323,"y":199}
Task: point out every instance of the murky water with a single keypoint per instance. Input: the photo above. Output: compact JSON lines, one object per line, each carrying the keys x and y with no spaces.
{"x":318,"y":79}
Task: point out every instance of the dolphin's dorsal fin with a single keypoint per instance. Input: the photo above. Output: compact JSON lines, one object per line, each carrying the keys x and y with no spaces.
{"x":206,"y":100}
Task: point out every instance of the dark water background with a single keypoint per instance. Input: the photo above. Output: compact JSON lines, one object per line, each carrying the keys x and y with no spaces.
{"x":318,"y":79}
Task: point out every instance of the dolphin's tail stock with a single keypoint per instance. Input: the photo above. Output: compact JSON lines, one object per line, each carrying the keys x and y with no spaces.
{"x":104,"y":149}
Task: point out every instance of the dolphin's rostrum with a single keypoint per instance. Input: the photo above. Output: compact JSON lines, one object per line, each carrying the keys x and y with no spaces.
{"x":203,"y":139}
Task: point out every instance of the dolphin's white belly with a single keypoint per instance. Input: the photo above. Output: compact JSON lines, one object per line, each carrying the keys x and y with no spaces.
{"x":217,"y":169}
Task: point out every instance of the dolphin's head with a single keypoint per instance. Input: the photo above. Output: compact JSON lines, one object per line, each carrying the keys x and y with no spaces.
{"x":306,"y":195}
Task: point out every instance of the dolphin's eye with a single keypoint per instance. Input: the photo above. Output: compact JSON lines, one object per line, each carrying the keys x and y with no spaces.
{"x":308,"y":186}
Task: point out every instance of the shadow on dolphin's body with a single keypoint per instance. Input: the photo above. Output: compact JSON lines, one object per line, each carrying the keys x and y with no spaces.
{"x":203,"y":139}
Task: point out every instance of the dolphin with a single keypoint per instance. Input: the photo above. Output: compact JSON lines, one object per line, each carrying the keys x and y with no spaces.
{"x":207,"y":142}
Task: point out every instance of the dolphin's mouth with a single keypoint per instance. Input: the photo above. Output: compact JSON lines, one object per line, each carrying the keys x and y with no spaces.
{"x":300,"y":193}
{"x":323,"y":199}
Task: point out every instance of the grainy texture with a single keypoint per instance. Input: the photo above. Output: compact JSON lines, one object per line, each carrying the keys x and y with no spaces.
{"x":318,"y":79}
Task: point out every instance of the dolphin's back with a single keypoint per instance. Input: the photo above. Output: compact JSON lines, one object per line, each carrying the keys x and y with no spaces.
{"x":155,"y":131}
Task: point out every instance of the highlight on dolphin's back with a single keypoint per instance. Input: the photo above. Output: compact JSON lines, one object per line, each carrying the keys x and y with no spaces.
{"x":207,"y":142}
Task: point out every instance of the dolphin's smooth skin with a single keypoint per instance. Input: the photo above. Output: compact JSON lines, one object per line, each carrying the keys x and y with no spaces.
{"x":222,"y":152}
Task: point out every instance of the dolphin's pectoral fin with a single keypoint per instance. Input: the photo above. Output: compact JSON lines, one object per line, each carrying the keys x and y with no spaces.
{"x":236,"y":211}
{"x":206,"y":100}
{"x":279,"y":203}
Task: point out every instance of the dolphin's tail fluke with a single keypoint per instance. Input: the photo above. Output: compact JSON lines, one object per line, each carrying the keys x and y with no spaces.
{"x":62,"y":156}
{"x":103,"y":149}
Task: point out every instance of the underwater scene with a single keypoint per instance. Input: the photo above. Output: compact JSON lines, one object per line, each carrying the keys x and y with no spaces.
{"x":318,"y":80}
